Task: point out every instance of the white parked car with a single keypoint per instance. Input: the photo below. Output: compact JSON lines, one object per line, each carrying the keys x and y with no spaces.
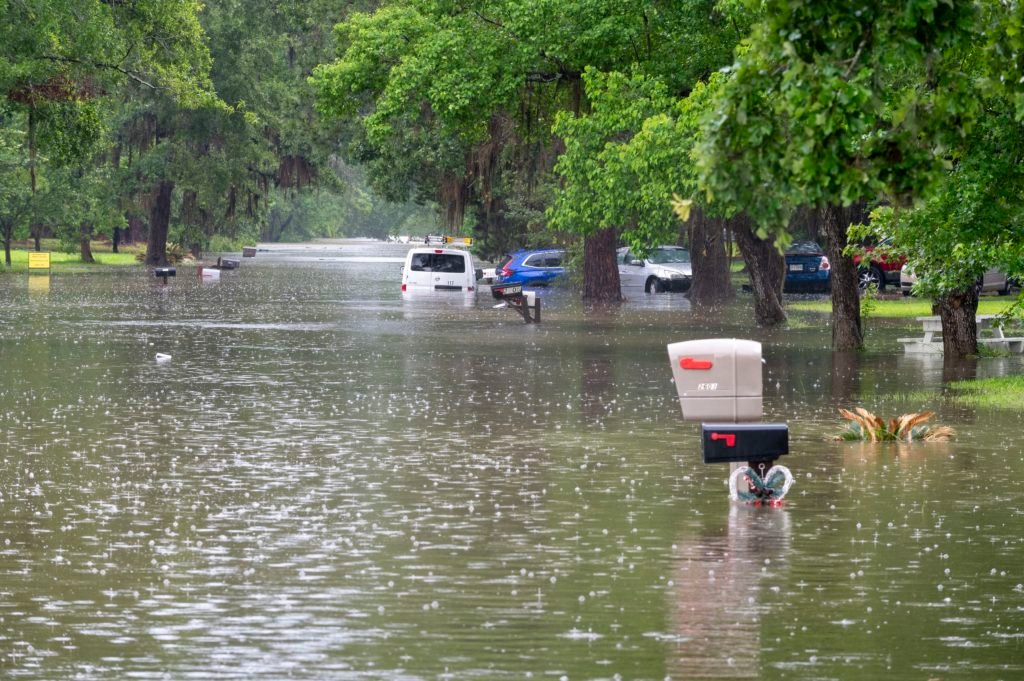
{"x":666,"y":268}
{"x":992,"y":280}
{"x":439,"y":269}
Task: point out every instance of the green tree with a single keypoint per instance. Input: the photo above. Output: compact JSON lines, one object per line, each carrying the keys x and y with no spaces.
{"x":15,"y":193}
{"x":834,"y":102}
{"x":212,"y":171}
{"x":605,"y":186}
{"x":974,"y":221}
{"x":456,"y":100}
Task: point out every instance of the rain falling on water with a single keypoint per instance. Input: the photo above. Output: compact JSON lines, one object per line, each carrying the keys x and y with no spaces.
{"x":327,"y":480}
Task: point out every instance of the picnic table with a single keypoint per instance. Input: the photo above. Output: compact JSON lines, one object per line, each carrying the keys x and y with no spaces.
{"x":990,"y":334}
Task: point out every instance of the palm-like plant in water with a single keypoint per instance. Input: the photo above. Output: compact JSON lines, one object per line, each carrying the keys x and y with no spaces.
{"x":865,"y":426}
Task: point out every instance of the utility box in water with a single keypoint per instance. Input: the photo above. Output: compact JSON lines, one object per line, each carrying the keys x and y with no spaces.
{"x":744,"y":442}
{"x":718,"y":379}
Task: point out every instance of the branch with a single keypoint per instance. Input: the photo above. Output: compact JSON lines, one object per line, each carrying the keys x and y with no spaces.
{"x":856,"y":55}
{"x":496,"y":24}
{"x":102,"y":65}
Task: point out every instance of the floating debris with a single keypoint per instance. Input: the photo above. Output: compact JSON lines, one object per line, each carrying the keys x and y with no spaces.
{"x":161,"y":358}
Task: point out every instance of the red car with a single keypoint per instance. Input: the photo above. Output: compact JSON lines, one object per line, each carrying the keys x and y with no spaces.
{"x":879,"y":271}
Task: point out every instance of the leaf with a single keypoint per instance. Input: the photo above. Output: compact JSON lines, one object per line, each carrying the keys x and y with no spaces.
{"x":682,"y":207}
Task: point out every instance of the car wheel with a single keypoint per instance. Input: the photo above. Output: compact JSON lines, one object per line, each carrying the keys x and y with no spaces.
{"x":654,"y":285}
{"x":871,"y":275}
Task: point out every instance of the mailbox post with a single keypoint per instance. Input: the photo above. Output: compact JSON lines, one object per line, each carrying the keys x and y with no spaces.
{"x":164,"y":272}
{"x":719,"y":383}
{"x":523,"y":302}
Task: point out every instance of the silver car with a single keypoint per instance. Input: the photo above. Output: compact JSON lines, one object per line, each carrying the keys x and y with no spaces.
{"x":666,"y":268}
{"x":992,"y":281}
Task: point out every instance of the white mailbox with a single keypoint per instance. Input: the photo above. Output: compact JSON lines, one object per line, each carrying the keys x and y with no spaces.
{"x":718,"y":379}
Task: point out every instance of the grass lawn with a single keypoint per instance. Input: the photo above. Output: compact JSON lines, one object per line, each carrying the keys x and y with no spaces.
{"x":1003,"y":392}
{"x":905,"y":307}
{"x":72,"y":262}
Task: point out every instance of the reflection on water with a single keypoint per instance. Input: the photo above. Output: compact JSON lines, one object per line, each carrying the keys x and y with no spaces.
{"x":38,"y":284}
{"x":717,"y":607}
{"x":329,"y":480}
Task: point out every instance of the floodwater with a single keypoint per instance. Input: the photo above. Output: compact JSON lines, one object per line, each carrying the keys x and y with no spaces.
{"x":328,"y":481}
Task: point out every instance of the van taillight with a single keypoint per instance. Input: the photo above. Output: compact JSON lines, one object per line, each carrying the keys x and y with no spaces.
{"x":823,"y":265}
{"x":403,"y":288}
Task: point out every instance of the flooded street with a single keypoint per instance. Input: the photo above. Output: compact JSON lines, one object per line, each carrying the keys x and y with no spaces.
{"x":328,"y":481}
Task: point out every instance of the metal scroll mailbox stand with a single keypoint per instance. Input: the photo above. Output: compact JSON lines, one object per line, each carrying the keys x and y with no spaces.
{"x":513,"y":297}
{"x":719,"y":384}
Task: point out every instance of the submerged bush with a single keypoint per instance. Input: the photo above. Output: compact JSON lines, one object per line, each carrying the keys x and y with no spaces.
{"x":865,"y":426}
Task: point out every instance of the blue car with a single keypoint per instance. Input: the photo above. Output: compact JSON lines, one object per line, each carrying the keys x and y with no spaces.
{"x":531,"y":268}
{"x":807,"y":268}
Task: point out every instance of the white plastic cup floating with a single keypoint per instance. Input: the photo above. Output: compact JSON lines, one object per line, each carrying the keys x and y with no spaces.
{"x":161,"y":358}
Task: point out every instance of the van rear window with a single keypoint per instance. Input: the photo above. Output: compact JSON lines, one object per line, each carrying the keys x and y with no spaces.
{"x":438,"y":262}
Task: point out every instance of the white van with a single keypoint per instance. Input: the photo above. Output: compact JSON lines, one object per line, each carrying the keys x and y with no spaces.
{"x":439,"y":269}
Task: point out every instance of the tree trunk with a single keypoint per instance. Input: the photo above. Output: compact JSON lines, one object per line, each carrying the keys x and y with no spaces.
{"x":600,"y":271}
{"x":6,"y":234}
{"x":190,"y":216}
{"x":847,"y":333}
{"x":159,"y":223}
{"x":115,"y":239}
{"x":767,"y":270}
{"x":37,"y":235}
{"x":959,"y":326}
{"x":712,"y":284}
{"x":85,"y":240}
{"x":136,"y":229}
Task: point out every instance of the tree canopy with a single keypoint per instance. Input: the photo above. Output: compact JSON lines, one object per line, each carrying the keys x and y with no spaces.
{"x":563,"y":120}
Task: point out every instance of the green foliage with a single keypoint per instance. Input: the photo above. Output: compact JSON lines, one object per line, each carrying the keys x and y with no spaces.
{"x":831,"y":102}
{"x":442,"y":89}
{"x":15,"y":194}
{"x":81,"y":195}
{"x":627,"y":157}
{"x":64,"y":50}
{"x":975,"y":218}
{"x":607,"y":180}
{"x":868,"y":302}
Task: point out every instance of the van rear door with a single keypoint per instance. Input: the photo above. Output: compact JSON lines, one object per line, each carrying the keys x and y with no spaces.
{"x":440,"y":270}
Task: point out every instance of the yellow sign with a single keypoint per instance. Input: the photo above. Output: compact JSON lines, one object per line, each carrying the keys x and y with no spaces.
{"x":465,"y":240}
{"x":38,"y":261}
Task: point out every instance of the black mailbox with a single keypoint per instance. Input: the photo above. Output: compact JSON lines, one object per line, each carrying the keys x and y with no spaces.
{"x":507,"y":290}
{"x":729,"y":442}
{"x":164,"y":272}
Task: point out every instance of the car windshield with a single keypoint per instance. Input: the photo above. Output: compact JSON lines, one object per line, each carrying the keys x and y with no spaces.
{"x":664,"y":256}
{"x":438,"y":262}
{"x":803,"y":248}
